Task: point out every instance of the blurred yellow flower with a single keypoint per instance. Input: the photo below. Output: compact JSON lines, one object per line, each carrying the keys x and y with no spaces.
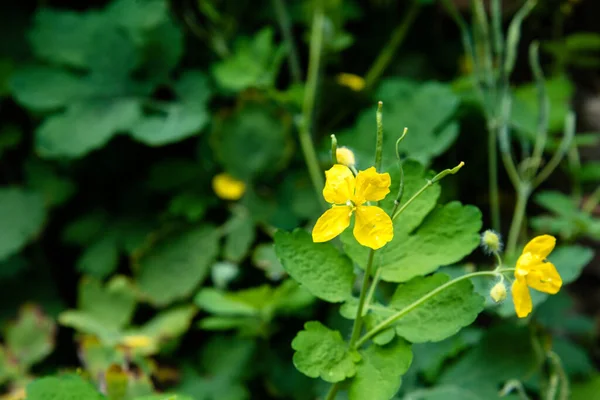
{"x":372,"y":227}
{"x":534,"y":271}
{"x":352,"y":81}
{"x":15,"y":394}
{"x":345,"y":156}
{"x":227,"y":187}
{"x":137,"y":341}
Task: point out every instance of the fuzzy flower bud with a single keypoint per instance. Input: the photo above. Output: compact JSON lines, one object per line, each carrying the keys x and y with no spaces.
{"x":491,"y":242}
{"x":227,"y":187}
{"x":498,"y":292}
{"x":345,"y":156}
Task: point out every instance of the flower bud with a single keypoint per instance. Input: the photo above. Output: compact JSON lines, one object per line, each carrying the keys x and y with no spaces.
{"x":498,"y":292}
{"x":345,"y":156}
{"x":227,"y":187}
{"x":351,"y":81}
{"x":491,"y":242}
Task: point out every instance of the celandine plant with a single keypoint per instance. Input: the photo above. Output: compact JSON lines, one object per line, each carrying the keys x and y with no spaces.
{"x":401,"y":242}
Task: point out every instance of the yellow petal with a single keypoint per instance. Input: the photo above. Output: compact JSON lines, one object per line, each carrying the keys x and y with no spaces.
{"x":371,"y":186}
{"x":373,"y":227}
{"x":227,"y":187}
{"x":545,"y":278}
{"x":331,"y":223}
{"x":339,"y":184}
{"x":521,"y":298}
{"x":540,"y":246}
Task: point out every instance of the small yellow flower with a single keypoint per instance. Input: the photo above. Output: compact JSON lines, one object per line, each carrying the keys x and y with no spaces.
{"x":227,"y":187}
{"x":372,"y":227}
{"x":534,"y":271}
{"x":352,"y":81}
{"x":345,"y":156}
{"x":137,"y":341}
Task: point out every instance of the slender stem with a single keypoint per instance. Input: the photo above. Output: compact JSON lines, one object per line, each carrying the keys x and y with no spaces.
{"x":385,"y":57}
{"x":379,"y":142}
{"x":310,"y":93}
{"x":288,"y":36}
{"x":592,"y":201}
{"x":514,"y":385}
{"x":424,"y":188}
{"x":561,"y":375}
{"x":393,"y":318}
{"x":493,"y":176}
{"x":356,"y":328}
{"x":333,"y":149}
{"x":517,"y":221}
{"x":575,"y":169}
{"x":333,"y":391}
{"x":374,"y":284}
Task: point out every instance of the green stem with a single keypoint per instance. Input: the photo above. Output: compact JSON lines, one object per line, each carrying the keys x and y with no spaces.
{"x":288,"y":36}
{"x":393,"y":318}
{"x":379,"y":142}
{"x":413,"y":198}
{"x":333,"y":391}
{"x":517,"y":221}
{"x":385,"y":57}
{"x":357,"y":326}
{"x":374,"y":284}
{"x":592,"y":201}
{"x":561,"y":375}
{"x":333,"y":149}
{"x":493,"y":176}
{"x":310,"y":93}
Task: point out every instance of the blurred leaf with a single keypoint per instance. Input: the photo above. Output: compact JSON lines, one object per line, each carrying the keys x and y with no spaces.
{"x":241,"y":235}
{"x":66,"y":387}
{"x":557,"y":313}
{"x":568,"y":260}
{"x":177,"y":265}
{"x":169,"y":175}
{"x":85,"y":229}
{"x":254,"y":63}
{"x":504,"y":353}
{"x":22,"y":214}
{"x":31,"y":337}
{"x":222,"y":273}
{"x":10,"y":137}
{"x":378,"y":372}
{"x":56,"y":189}
{"x":253,"y":142}
{"x":47,"y":88}
{"x":321,"y":352}
{"x":188,"y":205}
{"x":441,"y":316}
{"x":12,"y":266}
{"x":85,"y":126}
{"x":138,"y":17}
{"x":524,"y":113}
{"x":101,"y":258}
{"x":162,"y":50}
{"x":445,"y":392}
{"x":574,"y":357}
{"x":177,"y":120}
{"x":590,"y":172}
{"x":431,"y":130}
{"x":445,"y":236}
{"x":116,"y":383}
{"x":585,"y":390}
{"x":171,"y":323}
{"x":9,"y":368}
{"x":264,"y":258}
{"x":319,"y":267}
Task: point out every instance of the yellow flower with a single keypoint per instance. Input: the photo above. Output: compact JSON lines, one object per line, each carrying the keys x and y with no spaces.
{"x":533,"y":271}
{"x":345,"y":156}
{"x":352,"y":81}
{"x":227,"y":187}
{"x":372,"y":227}
{"x":137,"y":341}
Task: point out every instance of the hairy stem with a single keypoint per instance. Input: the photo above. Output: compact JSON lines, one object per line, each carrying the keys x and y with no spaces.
{"x":517,"y":221}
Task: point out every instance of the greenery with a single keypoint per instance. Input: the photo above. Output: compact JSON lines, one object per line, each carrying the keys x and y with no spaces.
{"x":277,"y":199}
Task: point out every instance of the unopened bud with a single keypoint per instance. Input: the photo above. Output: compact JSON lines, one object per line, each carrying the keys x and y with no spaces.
{"x":498,"y":292}
{"x":345,"y":156}
{"x":491,"y":242}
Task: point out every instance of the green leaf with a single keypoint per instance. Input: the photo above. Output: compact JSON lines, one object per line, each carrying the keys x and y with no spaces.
{"x":431,"y":130}
{"x":9,"y":369}
{"x":378,"y":372}
{"x":22,"y":214}
{"x":101,"y":258}
{"x":46,"y":88}
{"x":321,"y":352}
{"x":178,"y":120}
{"x":66,"y":387}
{"x":52,"y":36}
{"x":524,"y":114}
{"x":85,"y":126}
{"x":319,"y":267}
{"x":188,"y":205}
{"x":240,"y":237}
{"x":170,"y":324}
{"x":243,"y":303}
{"x":505,"y":352}
{"x":175,"y":267}
{"x":138,"y":17}
{"x":43,"y":178}
{"x":31,"y":337}
{"x":586,"y":390}
{"x":264,"y":258}
{"x":254,"y":63}
{"x":574,"y":357}
{"x":254,"y":141}
{"x":445,"y":235}
{"x":446,"y":392}
{"x":439,"y":317}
